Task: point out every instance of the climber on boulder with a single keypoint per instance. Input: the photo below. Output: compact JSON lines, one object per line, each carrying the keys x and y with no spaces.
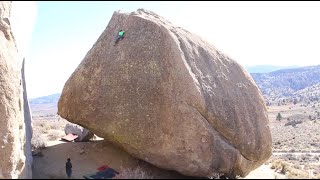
{"x":119,"y":36}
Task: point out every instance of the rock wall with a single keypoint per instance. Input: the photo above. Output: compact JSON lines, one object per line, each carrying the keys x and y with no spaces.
{"x":15,"y":118}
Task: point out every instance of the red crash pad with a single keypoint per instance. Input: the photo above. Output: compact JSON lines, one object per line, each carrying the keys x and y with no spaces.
{"x":104,"y":167}
{"x":70,"y":137}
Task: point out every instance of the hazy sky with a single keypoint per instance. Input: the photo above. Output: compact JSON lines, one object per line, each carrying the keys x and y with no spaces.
{"x":252,"y":33}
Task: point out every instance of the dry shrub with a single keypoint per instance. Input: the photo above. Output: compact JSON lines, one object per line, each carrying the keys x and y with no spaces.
{"x":54,"y":135}
{"x":296,"y":166}
{"x":38,"y":123}
{"x":284,"y":168}
{"x":42,"y":126}
{"x":137,"y":173}
{"x":37,"y":141}
{"x":56,"y":125}
{"x":216,"y":176}
{"x":297,"y":174}
{"x":279,"y":166}
{"x":46,"y":127}
{"x":38,"y":130}
{"x":290,"y":170}
{"x":317,"y":176}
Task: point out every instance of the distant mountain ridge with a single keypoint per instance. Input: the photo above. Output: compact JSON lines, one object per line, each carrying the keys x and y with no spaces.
{"x":50,"y":99}
{"x":287,"y":81}
{"x":266,"y":68}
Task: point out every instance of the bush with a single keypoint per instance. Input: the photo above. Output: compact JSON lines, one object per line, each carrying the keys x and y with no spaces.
{"x":296,"y":166}
{"x":290,"y":170}
{"x":279,"y":117}
{"x":275,"y":165}
{"x":37,"y":141}
{"x":38,"y":130}
{"x":297,"y":174}
{"x":280,"y":166}
{"x":137,"y":173}
{"x":42,"y":126}
{"x":46,"y":127}
{"x":38,"y":123}
{"x":316,"y":176}
{"x":54,"y":135}
{"x":293,"y":123}
{"x":56,"y":125}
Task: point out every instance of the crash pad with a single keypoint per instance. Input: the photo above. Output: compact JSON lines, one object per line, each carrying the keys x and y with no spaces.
{"x":70,"y":137}
{"x":104,"y":167}
{"x":105,"y":174}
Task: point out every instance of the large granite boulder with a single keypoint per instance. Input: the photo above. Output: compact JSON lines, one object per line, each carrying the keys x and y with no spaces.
{"x":168,"y":97}
{"x":15,"y":116}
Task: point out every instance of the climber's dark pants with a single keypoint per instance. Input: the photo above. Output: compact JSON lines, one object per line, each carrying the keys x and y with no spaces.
{"x":69,"y":172}
{"x":117,"y":39}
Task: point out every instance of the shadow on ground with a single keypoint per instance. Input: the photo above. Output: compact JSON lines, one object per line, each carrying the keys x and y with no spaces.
{"x":86,"y":157}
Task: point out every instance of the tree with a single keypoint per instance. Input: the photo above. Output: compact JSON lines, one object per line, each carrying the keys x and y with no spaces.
{"x":268,"y":103}
{"x":279,"y":117}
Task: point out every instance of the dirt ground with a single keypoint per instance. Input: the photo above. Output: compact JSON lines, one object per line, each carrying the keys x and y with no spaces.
{"x":86,"y":157}
{"x":262,"y":172}
{"x":304,"y":136}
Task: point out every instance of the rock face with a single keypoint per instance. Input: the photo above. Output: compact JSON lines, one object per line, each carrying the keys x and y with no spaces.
{"x":15,"y":118}
{"x":168,"y":97}
{"x":28,"y":127}
{"x":83,"y":134}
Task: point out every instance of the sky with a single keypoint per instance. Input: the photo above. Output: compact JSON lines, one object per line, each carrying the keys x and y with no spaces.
{"x":56,"y":35}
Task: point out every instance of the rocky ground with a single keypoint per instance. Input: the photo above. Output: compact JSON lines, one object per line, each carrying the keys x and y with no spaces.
{"x":298,"y":129}
{"x":296,"y":139}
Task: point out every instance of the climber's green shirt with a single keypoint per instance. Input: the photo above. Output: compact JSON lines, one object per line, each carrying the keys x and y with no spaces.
{"x":121,"y":33}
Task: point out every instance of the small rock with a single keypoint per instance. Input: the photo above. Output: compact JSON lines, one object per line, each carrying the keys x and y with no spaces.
{"x":82,"y":151}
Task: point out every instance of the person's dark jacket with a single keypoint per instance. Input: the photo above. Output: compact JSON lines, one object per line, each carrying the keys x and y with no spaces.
{"x":68,"y":166}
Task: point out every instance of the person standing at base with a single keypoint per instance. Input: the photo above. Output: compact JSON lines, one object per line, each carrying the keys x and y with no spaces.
{"x":69,"y":168}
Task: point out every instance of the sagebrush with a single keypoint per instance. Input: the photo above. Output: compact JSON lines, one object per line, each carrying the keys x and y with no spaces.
{"x":137,"y":173}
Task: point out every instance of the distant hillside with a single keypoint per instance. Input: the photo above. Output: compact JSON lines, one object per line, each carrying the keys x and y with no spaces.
{"x":287,"y":81}
{"x":45,"y":105}
{"x":54,"y":98}
{"x":266,"y":68}
{"x":311,"y":93}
